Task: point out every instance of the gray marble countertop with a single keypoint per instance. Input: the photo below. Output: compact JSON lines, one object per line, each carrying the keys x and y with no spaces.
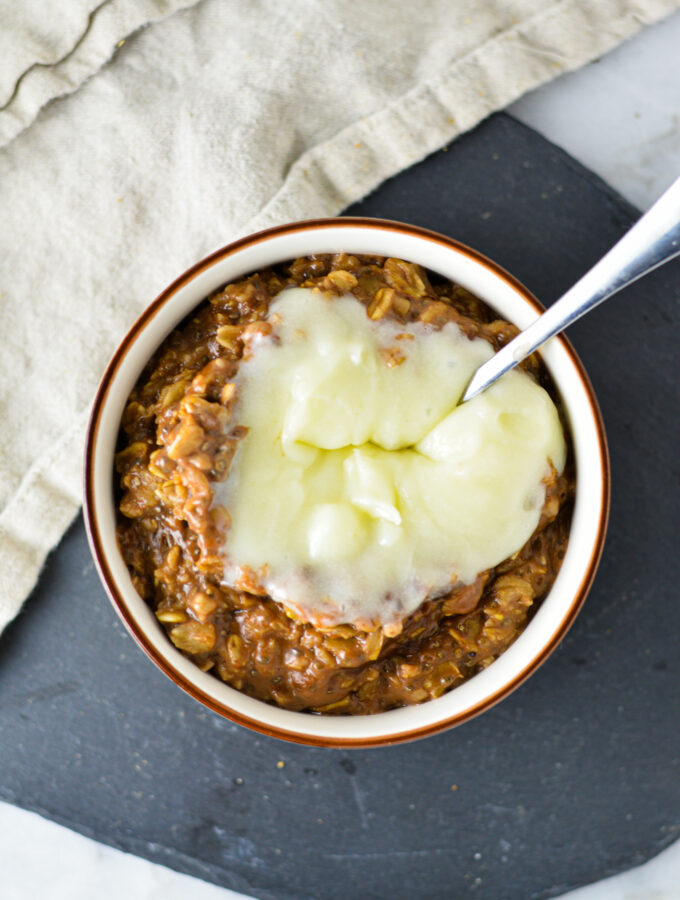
{"x":620,"y":116}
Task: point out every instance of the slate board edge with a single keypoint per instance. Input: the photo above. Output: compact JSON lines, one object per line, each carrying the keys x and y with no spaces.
{"x":159,"y":854}
{"x":188,"y":865}
{"x":179,"y":861}
{"x":583,"y":172}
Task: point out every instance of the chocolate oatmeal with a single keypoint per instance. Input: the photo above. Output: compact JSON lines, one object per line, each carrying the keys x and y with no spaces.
{"x":180,"y":434}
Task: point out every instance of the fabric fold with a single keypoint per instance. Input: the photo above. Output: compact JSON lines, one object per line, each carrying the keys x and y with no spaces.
{"x":37,"y":516}
{"x":50,"y":51}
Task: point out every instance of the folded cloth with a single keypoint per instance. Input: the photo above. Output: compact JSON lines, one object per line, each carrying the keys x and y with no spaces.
{"x":49,"y":47}
{"x":220,"y":119}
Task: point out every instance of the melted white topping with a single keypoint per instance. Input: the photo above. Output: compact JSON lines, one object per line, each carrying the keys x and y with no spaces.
{"x":361,"y":489}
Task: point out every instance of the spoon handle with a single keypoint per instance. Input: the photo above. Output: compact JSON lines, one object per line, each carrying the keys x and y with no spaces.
{"x":652,"y":241}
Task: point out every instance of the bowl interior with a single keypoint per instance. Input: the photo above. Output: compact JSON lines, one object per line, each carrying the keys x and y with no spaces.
{"x":512,"y":302}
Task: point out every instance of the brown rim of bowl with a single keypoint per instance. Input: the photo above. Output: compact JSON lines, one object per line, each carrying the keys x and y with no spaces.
{"x":116,"y":598}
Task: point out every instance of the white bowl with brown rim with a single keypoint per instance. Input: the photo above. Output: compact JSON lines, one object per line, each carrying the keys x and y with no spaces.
{"x":512,"y":302}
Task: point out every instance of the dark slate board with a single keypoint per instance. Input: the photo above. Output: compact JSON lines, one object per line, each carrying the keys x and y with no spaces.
{"x":574,"y":777}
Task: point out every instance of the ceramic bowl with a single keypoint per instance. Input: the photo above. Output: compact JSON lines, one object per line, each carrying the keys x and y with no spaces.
{"x":512,"y":302}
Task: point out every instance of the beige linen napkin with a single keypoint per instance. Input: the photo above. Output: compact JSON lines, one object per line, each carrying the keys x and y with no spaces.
{"x":49,"y":47}
{"x":225,"y":117}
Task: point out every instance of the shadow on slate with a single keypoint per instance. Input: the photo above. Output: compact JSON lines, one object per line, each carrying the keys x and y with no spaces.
{"x":574,"y":777}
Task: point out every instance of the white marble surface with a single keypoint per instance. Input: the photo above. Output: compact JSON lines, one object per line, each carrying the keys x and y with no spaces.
{"x":621,"y":117}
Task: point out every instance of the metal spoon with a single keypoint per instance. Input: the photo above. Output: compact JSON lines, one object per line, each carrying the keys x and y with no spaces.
{"x":651,"y":242}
